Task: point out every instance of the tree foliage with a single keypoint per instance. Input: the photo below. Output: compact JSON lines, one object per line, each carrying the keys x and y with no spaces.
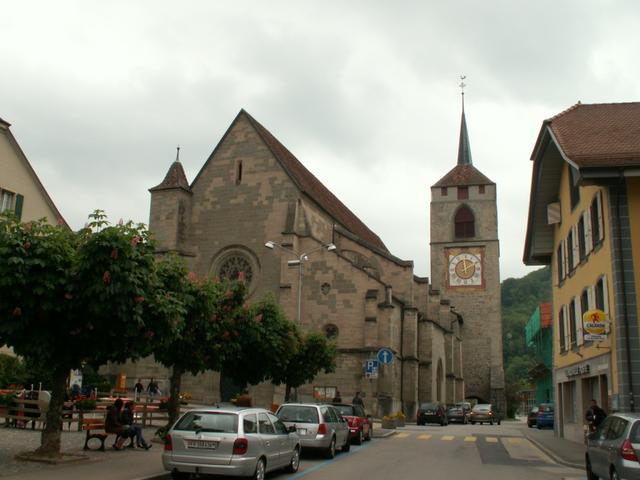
{"x":206,"y":322}
{"x":67,"y":298}
{"x":314,"y":354}
{"x":265,"y":342}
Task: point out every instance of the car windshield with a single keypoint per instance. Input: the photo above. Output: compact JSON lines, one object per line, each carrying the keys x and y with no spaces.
{"x":346,"y":410}
{"x":428,"y":406}
{"x":208,"y":422}
{"x":481,"y":408}
{"x":298,"y":413}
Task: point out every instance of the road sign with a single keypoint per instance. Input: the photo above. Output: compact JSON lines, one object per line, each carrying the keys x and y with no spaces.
{"x":370,"y":367}
{"x":385,"y":356}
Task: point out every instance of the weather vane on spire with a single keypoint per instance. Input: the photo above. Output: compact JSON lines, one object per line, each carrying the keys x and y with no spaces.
{"x":462,"y":85}
{"x":178,"y":153}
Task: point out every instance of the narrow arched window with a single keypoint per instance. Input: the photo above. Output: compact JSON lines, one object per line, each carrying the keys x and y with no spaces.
{"x":465,"y":223}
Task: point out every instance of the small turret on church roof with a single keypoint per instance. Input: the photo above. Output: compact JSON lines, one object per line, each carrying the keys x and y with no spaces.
{"x":175,"y":177}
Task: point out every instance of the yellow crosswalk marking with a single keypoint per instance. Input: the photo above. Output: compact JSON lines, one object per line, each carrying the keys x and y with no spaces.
{"x":514,"y":440}
{"x":402,"y":435}
{"x":424,"y":437}
{"x":447,"y":438}
{"x":470,"y":439}
{"x":492,"y":440}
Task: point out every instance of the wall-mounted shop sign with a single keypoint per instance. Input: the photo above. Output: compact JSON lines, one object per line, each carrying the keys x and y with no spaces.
{"x":577,"y":370}
{"x":594,"y":323}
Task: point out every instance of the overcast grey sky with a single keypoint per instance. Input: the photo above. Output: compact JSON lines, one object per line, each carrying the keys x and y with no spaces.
{"x":364,"y":93}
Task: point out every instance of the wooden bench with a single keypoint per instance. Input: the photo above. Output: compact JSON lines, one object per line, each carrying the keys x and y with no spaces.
{"x":90,"y":425}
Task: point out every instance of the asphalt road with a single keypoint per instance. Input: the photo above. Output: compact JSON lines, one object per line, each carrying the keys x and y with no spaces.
{"x":480,"y":452}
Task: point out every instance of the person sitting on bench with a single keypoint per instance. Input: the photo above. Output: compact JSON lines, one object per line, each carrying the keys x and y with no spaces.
{"x":113,"y":424}
{"x":127,"y":418}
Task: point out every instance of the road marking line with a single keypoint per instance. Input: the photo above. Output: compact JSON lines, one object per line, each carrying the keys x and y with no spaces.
{"x":470,"y":439}
{"x":491,"y":440}
{"x":424,"y":437}
{"x":447,"y":438}
{"x":514,"y":440}
{"x":401,"y":435}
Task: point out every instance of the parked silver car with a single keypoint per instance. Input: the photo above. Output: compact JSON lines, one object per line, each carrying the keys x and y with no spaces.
{"x":614,"y":448}
{"x":319,"y":426}
{"x":230,"y":441}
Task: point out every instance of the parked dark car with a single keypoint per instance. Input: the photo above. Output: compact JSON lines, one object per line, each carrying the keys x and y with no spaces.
{"x":544,"y":417}
{"x":432,"y":412}
{"x":485,"y":413}
{"x":360,"y":424}
{"x":532,"y":417}
{"x":459,"y":412}
{"x":614,"y":448}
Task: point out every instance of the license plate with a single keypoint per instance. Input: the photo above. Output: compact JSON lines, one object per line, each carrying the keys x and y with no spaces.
{"x":302,"y":431}
{"x":202,"y":444}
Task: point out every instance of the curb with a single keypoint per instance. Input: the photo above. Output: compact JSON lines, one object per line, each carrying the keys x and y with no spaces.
{"x":553,"y":456}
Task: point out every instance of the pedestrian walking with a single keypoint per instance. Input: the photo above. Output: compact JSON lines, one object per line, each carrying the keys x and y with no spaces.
{"x":357,"y":400}
{"x":138,"y":388}
{"x":594,"y":416}
{"x":153,"y":389}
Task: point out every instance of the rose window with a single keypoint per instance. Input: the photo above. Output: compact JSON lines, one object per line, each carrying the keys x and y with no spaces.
{"x":233,"y":267}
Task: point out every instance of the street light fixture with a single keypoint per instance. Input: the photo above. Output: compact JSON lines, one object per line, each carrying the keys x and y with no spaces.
{"x":299,"y":262}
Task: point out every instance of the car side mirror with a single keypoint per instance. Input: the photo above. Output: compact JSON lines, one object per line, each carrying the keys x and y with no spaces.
{"x":292,"y":429}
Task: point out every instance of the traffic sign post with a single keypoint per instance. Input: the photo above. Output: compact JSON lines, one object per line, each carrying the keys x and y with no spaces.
{"x":385,"y":356}
{"x":371,"y":368}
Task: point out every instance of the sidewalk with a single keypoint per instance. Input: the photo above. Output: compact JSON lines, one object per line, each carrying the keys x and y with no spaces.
{"x":565,"y":452}
{"x":131,"y":464}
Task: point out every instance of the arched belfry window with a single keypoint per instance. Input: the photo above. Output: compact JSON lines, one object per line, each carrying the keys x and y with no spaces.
{"x":464,"y":223}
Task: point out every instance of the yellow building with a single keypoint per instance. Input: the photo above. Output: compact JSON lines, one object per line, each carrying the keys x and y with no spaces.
{"x":584,"y":221}
{"x":20,"y":188}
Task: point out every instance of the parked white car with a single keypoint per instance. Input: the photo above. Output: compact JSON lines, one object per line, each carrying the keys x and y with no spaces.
{"x":230,"y":441}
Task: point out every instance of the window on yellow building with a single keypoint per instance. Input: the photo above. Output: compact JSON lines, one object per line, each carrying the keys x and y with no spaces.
{"x":562,"y":314}
{"x":572,"y":323}
{"x":597,"y":221}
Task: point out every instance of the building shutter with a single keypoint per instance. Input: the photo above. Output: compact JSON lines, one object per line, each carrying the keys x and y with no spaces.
{"x":588,"y":242}
{"x":575,"y":249}
{"x":18,"y":207}
{"x":561,"y":329}
{"x":600,"y":218}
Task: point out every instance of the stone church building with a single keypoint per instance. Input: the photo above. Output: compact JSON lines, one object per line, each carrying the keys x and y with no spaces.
{"x":333,"y":274}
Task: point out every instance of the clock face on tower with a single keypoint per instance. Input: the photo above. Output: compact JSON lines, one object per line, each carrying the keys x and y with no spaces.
{"x":465,"y":268}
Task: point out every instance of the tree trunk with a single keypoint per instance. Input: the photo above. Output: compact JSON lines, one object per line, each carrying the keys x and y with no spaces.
{"x":174,"y":395}
{"x":50,"y":439}
{"x":287,"y":392}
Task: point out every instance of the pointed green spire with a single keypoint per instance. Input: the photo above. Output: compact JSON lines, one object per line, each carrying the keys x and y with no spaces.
{"x":464,"y":149}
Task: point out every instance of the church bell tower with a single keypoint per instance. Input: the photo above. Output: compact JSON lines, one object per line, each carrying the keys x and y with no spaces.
{"x":465,"y":254}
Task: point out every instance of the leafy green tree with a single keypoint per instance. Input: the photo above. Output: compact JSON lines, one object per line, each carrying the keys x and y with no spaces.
{"x":68,"y":298}
{"x":12,"y":371}
{"x":209,"y":312}
{"x":266,"y":340}
{"x":313,"y":355}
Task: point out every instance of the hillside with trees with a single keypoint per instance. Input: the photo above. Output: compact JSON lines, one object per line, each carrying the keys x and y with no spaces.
{"x":520,"y":297}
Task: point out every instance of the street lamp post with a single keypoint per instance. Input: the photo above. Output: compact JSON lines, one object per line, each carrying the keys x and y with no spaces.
{"x":299,"y":262}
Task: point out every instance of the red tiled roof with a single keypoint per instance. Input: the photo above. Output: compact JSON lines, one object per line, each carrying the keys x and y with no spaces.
{"x":599,"y":135}
{"x":311,"y":186}
{"x":465,"y":174}
{"x":175,"y":178}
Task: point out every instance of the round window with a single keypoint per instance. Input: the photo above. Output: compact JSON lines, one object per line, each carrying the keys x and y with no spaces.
{"x":331,"y":331}
{"x":236,"y":267}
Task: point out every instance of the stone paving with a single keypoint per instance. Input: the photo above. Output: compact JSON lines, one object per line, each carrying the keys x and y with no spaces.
{"x":17,"y":440}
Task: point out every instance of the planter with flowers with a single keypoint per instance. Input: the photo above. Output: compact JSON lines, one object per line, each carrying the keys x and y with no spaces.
{"x":400,"y":418}
{"x":389,"y":422}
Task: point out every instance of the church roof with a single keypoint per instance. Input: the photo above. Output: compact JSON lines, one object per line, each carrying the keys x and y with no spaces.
{"x":462,"y":175}
{"x":596,"y":135}
{"x":311,"y":186}
{"x":464,"y":148}
{"x":175,"y":178}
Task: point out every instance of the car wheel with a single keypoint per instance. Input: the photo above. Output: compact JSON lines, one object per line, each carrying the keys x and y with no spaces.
{"x":347,"y":445}
{"x":499,"y":421}
{"x":294,"y":464}
{"x":473,"y":423}
{"x":529,"y":424}
{"x":176,"y":475}
{"x":331,"y":451}
{"x":490,"y":422}
{"x":359,"y":438}
{"x":481,"y":423}
{"x":614,"y":475}
{"x":259,"y":473}
{"x":590,"y":474}
{"x":370,"y":434}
